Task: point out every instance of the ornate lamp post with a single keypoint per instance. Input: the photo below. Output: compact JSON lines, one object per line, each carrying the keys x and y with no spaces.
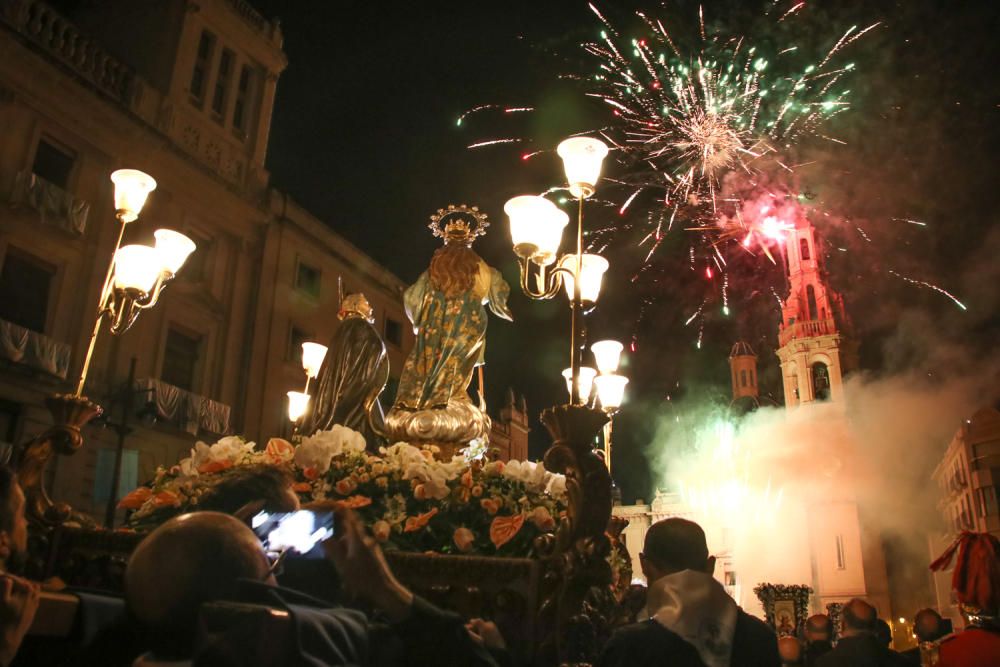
{"x":610,"y":386}
{"x":134,"y":280}
{"x":313,"y":355}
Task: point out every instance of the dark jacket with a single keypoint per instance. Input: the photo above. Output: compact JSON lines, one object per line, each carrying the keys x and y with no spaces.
{"x":861,"y":651}
{"x":814,"y":651}
{"x":649,"y":643}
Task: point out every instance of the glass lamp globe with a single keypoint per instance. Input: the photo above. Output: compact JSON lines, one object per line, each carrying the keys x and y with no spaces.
{"x":137,"y":267}
{"x":582,"y":158}
{"x":313,"y":355}
{"x":131,"y":189}
{"x":536,"y":227}
{"x":587,"y":375}
{"x":610,"y":390}
{"x":298,"y":403}
{"x":608,"y":354}
{"x":173,"y":248}
{"x":591,"y":275}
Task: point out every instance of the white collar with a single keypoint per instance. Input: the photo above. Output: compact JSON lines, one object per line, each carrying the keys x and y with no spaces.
{"x":694,"y":606}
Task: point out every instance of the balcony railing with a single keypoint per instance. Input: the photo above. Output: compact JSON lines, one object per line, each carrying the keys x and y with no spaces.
{"x":33,"y":350}
{"x":807,"y":329}
{"x":185,"y":410}
{"x":55,"y":206}
{"x":54,"y":34}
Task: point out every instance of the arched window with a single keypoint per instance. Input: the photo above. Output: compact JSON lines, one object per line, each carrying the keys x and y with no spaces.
{"x":811,"y":298}
{"x":821,"y":381}
{"x":804,"y":249}
{"x":743,"y":378}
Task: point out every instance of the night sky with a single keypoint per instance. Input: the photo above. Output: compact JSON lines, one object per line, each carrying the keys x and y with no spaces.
{"x":365,"y":136}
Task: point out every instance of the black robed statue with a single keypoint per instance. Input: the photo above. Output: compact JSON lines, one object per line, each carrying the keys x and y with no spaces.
{"x":353,"y":375}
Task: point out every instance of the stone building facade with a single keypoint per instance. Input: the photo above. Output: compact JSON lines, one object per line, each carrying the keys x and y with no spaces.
{"x":183,"y":92}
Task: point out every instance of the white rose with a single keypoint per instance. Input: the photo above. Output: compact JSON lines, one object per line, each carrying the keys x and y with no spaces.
{"x":556,"y":486}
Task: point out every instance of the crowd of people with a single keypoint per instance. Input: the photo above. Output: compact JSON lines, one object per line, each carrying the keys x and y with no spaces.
{"x":201,"y":590}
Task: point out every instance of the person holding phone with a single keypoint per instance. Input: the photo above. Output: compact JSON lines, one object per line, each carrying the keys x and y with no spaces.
{"x":207,"y":556}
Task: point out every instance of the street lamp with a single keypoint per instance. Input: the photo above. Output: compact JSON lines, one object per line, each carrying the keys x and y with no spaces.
{"x":586,"y":380}
{"x":313,"y":355}
{"x":134,"y":280}
{"x":136,"y":274}
{"x":536,"y":226}
{"x":609,"y":385}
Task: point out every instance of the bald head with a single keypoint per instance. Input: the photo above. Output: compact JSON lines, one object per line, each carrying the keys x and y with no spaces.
{"x":189,"y":560}
{"x":673,"y":545}
{"x":819,"y":628}
{"x":859,"y":618}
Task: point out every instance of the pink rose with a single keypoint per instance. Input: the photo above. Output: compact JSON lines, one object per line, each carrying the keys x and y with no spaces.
{"x":381,"y":530}
{"x":278,"y":451}
{"x":345,"y":486}
{"x":463,"y":539}
{"x":477,"y":491}
{"x":542,"y":519}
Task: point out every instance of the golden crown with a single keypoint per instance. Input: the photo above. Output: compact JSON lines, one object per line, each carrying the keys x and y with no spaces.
{"x":459,"y":223}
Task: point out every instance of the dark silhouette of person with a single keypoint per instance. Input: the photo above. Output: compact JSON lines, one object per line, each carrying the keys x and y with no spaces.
{"x":353,"y":374}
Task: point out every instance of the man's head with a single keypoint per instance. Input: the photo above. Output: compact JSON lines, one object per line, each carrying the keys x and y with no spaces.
{"x":819,"y":628}
{"x":673,"y":545}
{"x":883,"y":632}
{"x":189,"y":560}
{"x":790,"y":651}
{"x":859,"y":618}
{"x":13,"y":525}
{"x":927,"y":625}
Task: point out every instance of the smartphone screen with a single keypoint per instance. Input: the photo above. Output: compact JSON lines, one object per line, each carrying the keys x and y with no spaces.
{"x":300,"y":532}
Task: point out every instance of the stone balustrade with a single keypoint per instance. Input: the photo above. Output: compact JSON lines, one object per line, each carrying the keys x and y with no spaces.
{"x":807,"y":329}
{"x":47,"y":29}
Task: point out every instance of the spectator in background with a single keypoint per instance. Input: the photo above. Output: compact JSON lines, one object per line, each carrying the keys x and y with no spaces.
{"x":859,"y":646}
{"x":790,"y":651}
{"x":928,"y":626}
{"x":692,"y":621}
{"x":819,"y":638}
{"x":883,"y":632}
{"x":976,"y":581}
{"x":18,"y":597}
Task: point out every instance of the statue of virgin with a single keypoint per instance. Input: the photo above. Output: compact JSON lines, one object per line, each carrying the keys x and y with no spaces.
{"x":447,"y":306}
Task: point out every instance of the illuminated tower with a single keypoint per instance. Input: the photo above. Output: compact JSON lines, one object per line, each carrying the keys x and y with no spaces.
{"x":814,"y":348}
{"x":743,"y":367}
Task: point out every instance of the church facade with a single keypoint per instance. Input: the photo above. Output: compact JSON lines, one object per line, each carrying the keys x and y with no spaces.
{"x":834,"y":553}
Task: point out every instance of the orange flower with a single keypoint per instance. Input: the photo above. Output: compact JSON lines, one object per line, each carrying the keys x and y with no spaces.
{"x":415,"y":523}
{"x":491,"y":505}
{"x":135,"y":499}
{"x":463,"y":539}
{"x":504,"y":528}
{"x":543,"y":519}
{"x":477,"y":491}
{"x":214,"y":466}
{"x":279,"y":450}
{"x":345,"y":486}
{"x":166,"y":499}
{"x":302,"y":487}
{"x":356,"y":502}
{"x":381,"y":530}
{"x":461,"y":494}
{"x":467,"y":479}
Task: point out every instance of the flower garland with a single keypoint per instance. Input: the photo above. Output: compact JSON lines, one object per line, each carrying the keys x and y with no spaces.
{"x":410,"y":500}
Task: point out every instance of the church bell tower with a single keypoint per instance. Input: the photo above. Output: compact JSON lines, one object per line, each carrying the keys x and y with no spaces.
{"x":814,"y":347}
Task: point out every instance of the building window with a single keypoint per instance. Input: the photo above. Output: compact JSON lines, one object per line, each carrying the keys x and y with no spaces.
{"x":25,"y":286}
{"x":811,"y":302}
{"x":730,"y":578}
{"x":127,"y":480}
{"x":241,"y":107}
{"x":222,"y":84}
{"x":743,"y":378}
{"x":53,"y":164}
{"x":821,"y":381}
{"x":804,"y":249}
{"x":308,"y":279}
{"x":296,"y":337}
{"x":180,"y":359}
{"x":393,"y":332}
{"x":199,"y":76}
{"x":841,"y":560}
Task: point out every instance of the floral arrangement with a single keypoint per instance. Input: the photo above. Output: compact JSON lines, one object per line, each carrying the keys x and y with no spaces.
{"x":410,"y":500}
{"x":768,"y":594}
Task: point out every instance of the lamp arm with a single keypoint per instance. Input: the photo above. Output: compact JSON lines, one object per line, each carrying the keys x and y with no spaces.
{"x":154,"y":295}
{"x":551,"y":282}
